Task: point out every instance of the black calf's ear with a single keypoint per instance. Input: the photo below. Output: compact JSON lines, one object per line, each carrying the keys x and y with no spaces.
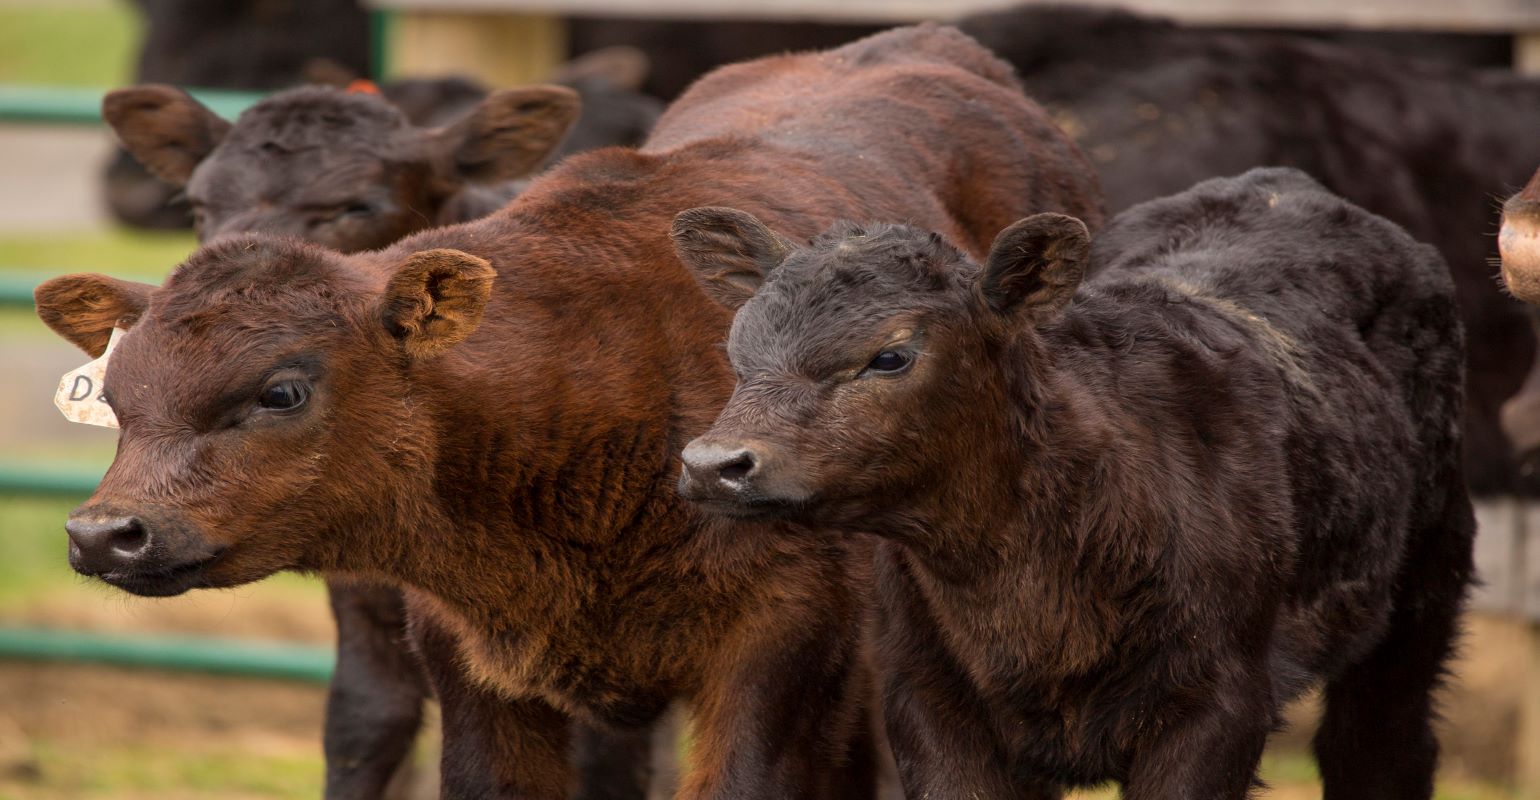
{"x":164,"y":128}
{"x":729,"y":251}
{"x":509,"y":135}
{"x":618,"y":66}
{"x":435,"y":300}
{"x":1035,"y":265}
{"x":85,"y":308}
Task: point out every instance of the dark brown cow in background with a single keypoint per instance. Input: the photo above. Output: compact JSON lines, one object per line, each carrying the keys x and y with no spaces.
{"x":1430,"y":146}
{"x":490,"y":414}
{"x":252,"y":45}
{"x":359,"y":170}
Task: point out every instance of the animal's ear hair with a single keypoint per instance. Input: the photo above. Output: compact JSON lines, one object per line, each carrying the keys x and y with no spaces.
{"x":164,"y":128}
{"x":729,"y":251}
{"x":85,"y":308}
{"x":619,"y":67}
{"x":1035,"y":265}
{"x":509,"y":135}
{"x":435,"y":300}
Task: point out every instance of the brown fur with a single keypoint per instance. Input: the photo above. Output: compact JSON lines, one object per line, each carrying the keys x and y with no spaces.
{"x":519,"y":483}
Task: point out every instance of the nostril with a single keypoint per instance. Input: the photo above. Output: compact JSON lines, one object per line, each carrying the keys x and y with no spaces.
{"x":130,"y":538}
{"x":737,"y":467}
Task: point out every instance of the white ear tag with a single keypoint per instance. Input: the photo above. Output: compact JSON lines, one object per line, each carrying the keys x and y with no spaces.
{"x":80,"y":390}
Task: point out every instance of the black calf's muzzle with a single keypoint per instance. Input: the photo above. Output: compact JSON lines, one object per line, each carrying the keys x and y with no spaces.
{"x":717,"y":472}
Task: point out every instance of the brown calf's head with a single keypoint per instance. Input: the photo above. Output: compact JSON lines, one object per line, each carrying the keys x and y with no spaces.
{"x":346,"y":170}
{"x":263,"y":404}
{"x":860,"y":360}
{"x":1519,"y":242}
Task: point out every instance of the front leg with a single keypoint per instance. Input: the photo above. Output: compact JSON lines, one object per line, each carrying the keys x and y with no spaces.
{"x":1212,"y":750}
{"x":494,"y":748}
{"x":782,"y":714}
{"x":941,"y":731}
{"x":375,"y":703}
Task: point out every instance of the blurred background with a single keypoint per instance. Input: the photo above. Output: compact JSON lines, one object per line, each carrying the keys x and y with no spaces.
{"x":220,"y":694}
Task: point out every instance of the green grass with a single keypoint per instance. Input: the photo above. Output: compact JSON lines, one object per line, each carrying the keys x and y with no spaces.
{"x":74,"y":772}
{"x":73,"y":44}
{"x":32,"y":558}
{"x":121,"y":252}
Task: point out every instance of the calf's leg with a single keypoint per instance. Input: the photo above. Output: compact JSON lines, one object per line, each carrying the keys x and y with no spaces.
{"x":781,"y":714}
{"x":494,"y":748}
{"x":374,"y":707}
{"x":497,"y":748}
{"x":940,"y":731}
{"x":1376,"y":740}
{"x":612,"y":765}
{"x":1211,"y":752}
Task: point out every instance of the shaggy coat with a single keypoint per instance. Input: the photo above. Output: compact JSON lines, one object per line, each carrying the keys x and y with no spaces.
{"x":489,"y":416}
{"x":1433,"y":148}
{"x":1120,"y":532}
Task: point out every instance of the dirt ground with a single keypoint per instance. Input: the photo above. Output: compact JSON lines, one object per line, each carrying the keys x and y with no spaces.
{"x":72,"y":731}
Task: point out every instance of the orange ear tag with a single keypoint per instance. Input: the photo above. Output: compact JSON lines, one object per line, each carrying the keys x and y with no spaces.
{"x":363,"y":86}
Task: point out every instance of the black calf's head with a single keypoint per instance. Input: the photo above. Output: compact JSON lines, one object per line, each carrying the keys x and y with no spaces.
{"x":345,"y":170}
{"x":860,"y":359}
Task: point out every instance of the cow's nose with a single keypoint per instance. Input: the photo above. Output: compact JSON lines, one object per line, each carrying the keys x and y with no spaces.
{"x":713,"y":464}
{"x":99,"y":545}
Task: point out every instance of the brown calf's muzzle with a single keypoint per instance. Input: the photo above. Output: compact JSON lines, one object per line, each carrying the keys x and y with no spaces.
{"x":144,"y":552}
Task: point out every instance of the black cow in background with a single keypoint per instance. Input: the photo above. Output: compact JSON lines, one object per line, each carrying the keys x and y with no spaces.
{"x":253,"y":45}
{"x":1431,"y":146}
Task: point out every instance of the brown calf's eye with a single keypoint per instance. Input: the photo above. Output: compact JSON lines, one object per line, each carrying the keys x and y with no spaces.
{"x":284,"y":396}
{"x":889,"y":362}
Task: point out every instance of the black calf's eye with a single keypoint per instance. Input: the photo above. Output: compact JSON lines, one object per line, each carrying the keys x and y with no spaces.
{"x":284,"y":396}
{"x":889,"y":361}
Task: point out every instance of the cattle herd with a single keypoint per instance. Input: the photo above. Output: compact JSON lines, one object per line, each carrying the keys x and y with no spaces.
{"x":830,"y":405}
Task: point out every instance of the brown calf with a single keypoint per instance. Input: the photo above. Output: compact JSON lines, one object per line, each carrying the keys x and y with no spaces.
{"x":357,"y":171}
{"x":488,"y":415}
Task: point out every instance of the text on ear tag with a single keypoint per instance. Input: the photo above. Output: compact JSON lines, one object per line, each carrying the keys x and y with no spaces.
{"x":80,"y":390}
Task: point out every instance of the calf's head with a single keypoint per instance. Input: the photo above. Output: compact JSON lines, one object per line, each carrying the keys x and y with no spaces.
{"x":864,"y":359}
{"x":345,"y":170}
{"x":265,"y":406}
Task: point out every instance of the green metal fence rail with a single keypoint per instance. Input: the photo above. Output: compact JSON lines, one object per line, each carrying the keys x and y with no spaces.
{"x":16,"y":289}
{"x":74,"y":106}
{"x":229,"y":657}
{"x":76,"y":482}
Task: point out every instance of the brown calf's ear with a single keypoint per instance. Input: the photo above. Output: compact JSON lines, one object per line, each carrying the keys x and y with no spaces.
{"x":729,"y":251}
{"x":164,"y":128}
{"x":619,"y":67}
{"x":435,"y":300}
{"x":1035,"y":265}
{"x":85,"y":308}
{"x":510,"y":134}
